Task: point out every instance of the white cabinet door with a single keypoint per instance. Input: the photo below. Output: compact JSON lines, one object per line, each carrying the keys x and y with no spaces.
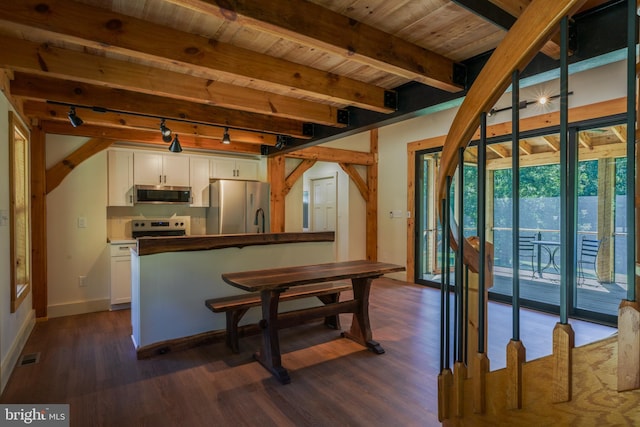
{"x":199,"y":181}
{"x":234,"y":169}
{"x":147,"y":168}
{"x":247,"y":169}
{"x":223,"y":168}
{"x":120,"y":274}
{"x":120,"y":178}
{"x":160,"y":169}
{"x":175,"y":170}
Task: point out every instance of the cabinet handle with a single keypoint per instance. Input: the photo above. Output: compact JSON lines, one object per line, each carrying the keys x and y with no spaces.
{"x":160,"y":178}
{"x":165,"y":179}
{"x":130,"y":198}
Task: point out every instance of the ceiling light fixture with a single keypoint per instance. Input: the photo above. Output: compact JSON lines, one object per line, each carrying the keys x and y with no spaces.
{"x":165,"y":131}
{"x":225,"y":138}
{"x":175,"y":145}
{"x":75,"y":120}
{"x":543,"y":100}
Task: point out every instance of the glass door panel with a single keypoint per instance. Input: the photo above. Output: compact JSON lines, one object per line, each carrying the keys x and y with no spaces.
{"x":601,"y":221}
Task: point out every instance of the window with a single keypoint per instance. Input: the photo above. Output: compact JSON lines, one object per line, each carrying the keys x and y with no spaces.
{"x":19,"y":211}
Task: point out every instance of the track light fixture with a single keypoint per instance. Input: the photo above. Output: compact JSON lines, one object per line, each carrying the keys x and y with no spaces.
{"x":225,"y":138}
{"x":281,"y":142}
{"x":175,"y":145}
{"x":165,"y":131}
{"x":75,"y":120}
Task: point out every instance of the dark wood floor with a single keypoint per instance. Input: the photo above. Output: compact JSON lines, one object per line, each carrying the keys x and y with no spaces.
{"x":88,"y":361}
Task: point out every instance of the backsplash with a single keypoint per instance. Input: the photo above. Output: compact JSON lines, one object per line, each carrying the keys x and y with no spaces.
{"x":119,"y":218}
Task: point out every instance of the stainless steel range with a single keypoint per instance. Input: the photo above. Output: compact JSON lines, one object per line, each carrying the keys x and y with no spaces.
{"x":158,"y":227}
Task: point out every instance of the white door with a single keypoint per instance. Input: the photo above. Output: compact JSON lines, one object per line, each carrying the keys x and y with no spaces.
{"x":323,"y":208}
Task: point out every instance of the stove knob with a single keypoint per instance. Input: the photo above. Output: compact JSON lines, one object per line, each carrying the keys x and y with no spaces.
{"x":182,"y":224}
{"x":135,"y":225}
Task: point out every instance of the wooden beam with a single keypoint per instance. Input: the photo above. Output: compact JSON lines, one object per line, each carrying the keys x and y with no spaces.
{"x":499,"y":150}
{"x":102,"y":29}
{"x":549,"y":158}
{"x":357,"y":180}
{"x":372,"y":200}
{"x":39,"y":222}
{"x":525,"y":147}
{"x":57,"y":172}
{"x":276,"y":176}
{"x":335,"y":155}
{"x":145,"y":137}
{"x":620,"y":132}
{"x":47,"y":60}
{"x":297,"y":173}
{"x":52,"y":112}
{"x":50,"y":89}
{"x":585,"y":140}
{"x":313,"y":25}
{"x":552,"y":142}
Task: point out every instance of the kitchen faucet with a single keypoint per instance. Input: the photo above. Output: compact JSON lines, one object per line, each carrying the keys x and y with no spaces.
{"x":255,"y":221}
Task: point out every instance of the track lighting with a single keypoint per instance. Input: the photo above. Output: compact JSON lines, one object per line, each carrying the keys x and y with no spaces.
{"x":175,"y":145}
{"x":165,"y":131}
{"x":281,"y":142}
{"x":225,"y":138}
{"x":75,"y":120}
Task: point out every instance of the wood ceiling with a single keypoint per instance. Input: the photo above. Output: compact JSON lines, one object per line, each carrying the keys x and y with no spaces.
{"x":263,"y":69}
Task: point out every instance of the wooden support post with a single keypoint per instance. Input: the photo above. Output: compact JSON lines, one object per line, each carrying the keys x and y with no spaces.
{"x":459,"y":376}
{"x":445,"y":382}
{"x":606,"y":202}
{"x":372,"y":200}
{"x":563,"y":344}
{"x":516,"y":356}
{"x":276,"y":172}
{"x":628,"y":346}
{"x":479,"y":381}
{"x":39,"y":222}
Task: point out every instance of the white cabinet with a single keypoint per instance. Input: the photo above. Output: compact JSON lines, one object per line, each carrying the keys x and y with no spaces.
{"x":199,"y":180}
{"x":120,"y":178}
{"x":160,"y":169}
{"x":121,"y":273}
{"x":223,"y":168}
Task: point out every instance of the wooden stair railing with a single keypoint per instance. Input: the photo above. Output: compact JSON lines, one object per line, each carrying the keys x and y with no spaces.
{"x":537,"y":24}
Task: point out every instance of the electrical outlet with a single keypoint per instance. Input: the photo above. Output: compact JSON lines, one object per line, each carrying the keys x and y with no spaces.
{"x":82,"y":222}
{"x":82,"y":281}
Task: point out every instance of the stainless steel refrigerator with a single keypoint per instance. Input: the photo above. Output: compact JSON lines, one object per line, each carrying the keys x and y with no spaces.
{"x":237,"y":207}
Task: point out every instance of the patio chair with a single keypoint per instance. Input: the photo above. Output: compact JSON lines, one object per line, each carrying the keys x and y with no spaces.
{"x":589,"y":249}
{"x":526,"y":253}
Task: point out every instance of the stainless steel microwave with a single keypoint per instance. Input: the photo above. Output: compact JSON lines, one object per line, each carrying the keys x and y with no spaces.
{"x":162,"y":194}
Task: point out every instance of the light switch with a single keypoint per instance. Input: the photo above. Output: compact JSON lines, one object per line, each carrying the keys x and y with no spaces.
{"x":82,"y":222}
{"x":4,"y":218}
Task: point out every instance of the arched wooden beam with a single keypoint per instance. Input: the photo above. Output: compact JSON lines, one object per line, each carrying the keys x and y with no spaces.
{"x":60,"y":170}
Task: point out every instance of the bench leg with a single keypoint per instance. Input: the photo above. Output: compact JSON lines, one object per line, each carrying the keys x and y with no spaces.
{"x":333,"y":321}
{"x":233,"y":318}
{"x":269,"y":355}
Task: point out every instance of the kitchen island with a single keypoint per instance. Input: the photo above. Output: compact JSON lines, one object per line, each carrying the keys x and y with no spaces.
{"x":171,"y":277}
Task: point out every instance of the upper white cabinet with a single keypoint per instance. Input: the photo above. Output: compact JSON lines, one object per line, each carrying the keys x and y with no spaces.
{"x":160,"y":169}
{"x":199,"y":178}
{"x":120,"y":176}
{"x":226,"y":168}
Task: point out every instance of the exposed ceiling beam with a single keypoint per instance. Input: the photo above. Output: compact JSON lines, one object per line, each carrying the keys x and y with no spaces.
{"x":145,"y":137}
{"x":49,"y":89}
{"x":51,"y":112}
{"x":102,"y":29}
{"x":312,"y":25}
{"x":48,"y":60}
{"x":336,"y":155}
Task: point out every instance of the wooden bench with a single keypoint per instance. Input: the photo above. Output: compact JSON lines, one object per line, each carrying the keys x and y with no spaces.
{"x":236,"y":306}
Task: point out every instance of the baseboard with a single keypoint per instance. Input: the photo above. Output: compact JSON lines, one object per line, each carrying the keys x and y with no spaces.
{"x":9,"y":362}
{"x":79,"y":307}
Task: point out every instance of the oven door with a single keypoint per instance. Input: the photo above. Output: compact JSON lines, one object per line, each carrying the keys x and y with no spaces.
{"x":159,"y":194}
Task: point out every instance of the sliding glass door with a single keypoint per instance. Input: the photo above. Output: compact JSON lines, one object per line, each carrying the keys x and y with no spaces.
{"x":598,"y":281}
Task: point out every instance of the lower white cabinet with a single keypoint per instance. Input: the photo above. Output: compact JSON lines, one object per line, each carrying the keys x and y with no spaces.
{"x":121,"y":273}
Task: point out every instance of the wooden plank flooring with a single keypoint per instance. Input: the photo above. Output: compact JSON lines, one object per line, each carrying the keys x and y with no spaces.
{"x":89,"y":362}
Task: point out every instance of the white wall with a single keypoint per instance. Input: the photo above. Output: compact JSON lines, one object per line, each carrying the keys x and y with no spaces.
{"x":14,"y":327}
{"x":73,"y":251}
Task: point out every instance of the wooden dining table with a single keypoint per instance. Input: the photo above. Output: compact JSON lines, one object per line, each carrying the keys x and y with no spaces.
{"x":272,"y":282}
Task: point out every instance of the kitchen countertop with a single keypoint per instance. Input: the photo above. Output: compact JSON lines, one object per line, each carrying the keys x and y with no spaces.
{"x":121,"y":241}
{"x":156,"y":245}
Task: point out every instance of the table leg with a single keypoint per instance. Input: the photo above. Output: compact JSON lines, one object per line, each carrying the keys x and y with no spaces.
{"x":269,"y":355}
{"x":360,"y":326}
